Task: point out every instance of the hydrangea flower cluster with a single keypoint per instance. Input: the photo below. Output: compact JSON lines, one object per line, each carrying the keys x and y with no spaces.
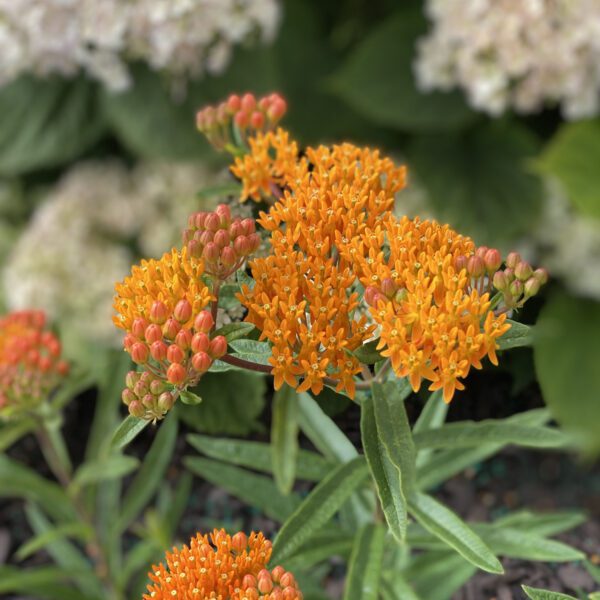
{"x":30,"y":362}
{"x":183,"y":38}
{"x":223,"y":567}
{"x":519,"y":55}
{"x":104,"y":207}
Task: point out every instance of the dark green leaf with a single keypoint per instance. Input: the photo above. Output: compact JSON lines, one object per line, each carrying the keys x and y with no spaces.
{"x":284,"y":437}
{"x":44,"y":582}
{"x":234,"y":331}
{"x":566,"y":361}
{"x":36,"y":543}
{"x":258,"y":352}
{"x":127,"y":431}
{"x":367,"y":353}
{"x":364,"y":568}
{"x":111,"y":467}
{"x":13,"y":431}
{"x":320,"y":505}
{"x":517,"y":336}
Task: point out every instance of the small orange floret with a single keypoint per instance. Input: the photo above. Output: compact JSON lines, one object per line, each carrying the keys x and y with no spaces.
{"x":221,"y":566}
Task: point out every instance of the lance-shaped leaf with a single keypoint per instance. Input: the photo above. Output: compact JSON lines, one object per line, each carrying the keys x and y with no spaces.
{"x":442,"y":522}
{"x":127,"y":431}
{"x":320,"y":505}
{"x":397,"y":588}
{"x":111,"y":467}
{"x":517,"y":336}
{"x":364,"y":568}
{"x":234,"y":331}
{"x":43,"y":582}
{"x":539,"y":594}
{"x":386,"y":476}
{"x":284,"y":437}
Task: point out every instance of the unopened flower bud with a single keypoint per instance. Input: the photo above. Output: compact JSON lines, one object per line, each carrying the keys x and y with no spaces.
{"x":523,"y":271}
{"x":138,"y":327}
{"x":139,"y":353}
{"x":513,"y":259}
{"x":248,"y":226}
{"x":277,"y":109}
{"x":201,"y":362}
{"x":228,"y":256}
{"x":221,"y":238}
{"x":265,"y":583}
{"x":276,"y":594}
{"x":131,"y":379}
{"x":287,"y":579}
{"x":148,"y":401}
{"x":175,"y":354}
{"x":136,"y":409}
{"x":200,"y":342}
{"x":205,"y":237}
{"x":248,"y":102}
{"x":401,"y":295}
{"x":510,"y":274}
{"x":257,"y":120}
{"x":460,"y":262}
{"x":253,"y":242}
{"x":500,"y":281}
{"x":184,"y":339}
{"x":218,"y":347}
{"x":541,"y":275}
{"x":236,"y":229}
{"x":204,"y":322}
{"x":159,"y":312}
{"x":290,"y":593}
{"x":239,"y":541}
{"x":531,"y":287}
{"x":141,"y":388}
{"x":171,"y":329}
{"x":492,"y":260}
{"x":241,"y":245}
{"x":276,"y":573}
{"x":241,"y":119}
{"x":194,"y":248}
{"x":176,"y":374}
{"x":158,"y":350}
{"x":516,"y":288}
{"x":166,"y":401}
{"x":157,"y":386}
{"x":248,"y":581}
{"x":211,"y":252}
{"x":234,"y":103}
{"x":475,"y":266}
{"x":153,"y":333}
{"x":183,"y":311}
{"x":388,"y":287}
{"x":212,"y":222}
{"x":128,"y":396}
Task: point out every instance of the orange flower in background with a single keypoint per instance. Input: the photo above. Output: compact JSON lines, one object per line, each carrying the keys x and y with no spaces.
{"x":221,"y":566}
{"x":30,"y":361}
{"x":305,"y":300}
{"x":271,"y":162}
{"x":174,"y":277}
{"x":435,"y":321}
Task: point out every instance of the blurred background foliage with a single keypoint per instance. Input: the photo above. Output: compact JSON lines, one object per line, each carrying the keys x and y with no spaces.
{"x":347,"y":70}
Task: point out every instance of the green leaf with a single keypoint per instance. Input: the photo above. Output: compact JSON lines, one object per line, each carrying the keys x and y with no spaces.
{"x":542,"y":524}
{"x":231,"y":405}
{"x":390,"y":97}
{"x":517,"y":336}
{"x":442,"y":522}
{"x":321,"y":547}
{"x":572,"y":156}
{"x":127,"y":431}
{"x":256,"y":490}
{"x":593,"y":570}
{"x":36,"y":543}
{"x":321,"y":430}
{"x":468,"y":433}
{"x":539,"y":594}
{"x":364,"y":568}
{"x":284,"y":437}
{"x":320,"y":505}
{"x":386,"y":476}
{"x":44,"y":582}
{"x":47,"y":122}
{"x":310,"y":466}
{"x":150,"y":475}
{"x":234,"y":331}
{"x":12,"y":432}
{"x":367,"y":353}
{"x":477,"y":183}
{"x":566,"y":361}
{"x":227,"y":189}
{"x":397,"y":589}
{"x":189,"y":398}
{"x":111,"y":467}
{"x":139,"y":558}
{"x":394,"y":429}
{"x":258,"y":352}
{"x":432,"y":416}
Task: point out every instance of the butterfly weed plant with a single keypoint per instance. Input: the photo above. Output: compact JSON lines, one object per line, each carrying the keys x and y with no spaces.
{"x":337,"y":292}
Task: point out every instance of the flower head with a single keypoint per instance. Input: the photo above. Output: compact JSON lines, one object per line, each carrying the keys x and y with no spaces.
{"x":221,"y":566}
{"x":30,"y":362}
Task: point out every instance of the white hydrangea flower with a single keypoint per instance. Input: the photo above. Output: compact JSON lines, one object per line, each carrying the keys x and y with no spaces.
{"x":182,"y":37}
{"x":86,"y":233}
{"x":515,"y":53}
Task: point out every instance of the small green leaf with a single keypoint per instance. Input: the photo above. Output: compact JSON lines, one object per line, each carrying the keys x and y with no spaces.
{"x":189,"y":398}
{"x":36,"y":543}
{"x":386,"y":476}
{"x":542,"y":524}
{"x":364,"y":568}
{"x":466,"y":433}
{"x":111,"y":467}
{"x":234,"y":331}
{"x":127,"y":431}
{"x":517,"y":336}
{"x":255,"y":490}
{"x":227,"y":189}
{"x":539,"y":594}
{"x":310,"y":466}
{"x":320,"y":505}
{"x":442,"y":522}
{"x":284,"y":437}
{"x":367,"y":353}
{"x":258,"y":352}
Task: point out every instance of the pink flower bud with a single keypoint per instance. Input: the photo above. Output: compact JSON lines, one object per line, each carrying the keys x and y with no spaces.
{"x":239,"y":541}
{"x":218,"y":347}
{"x":140,"y":389}
{"x":175,"y":354}
{"x":211,"y":252}
{"x":158,"y":351}
{"x":205,"y":237}
{"x":194,"y":248}
{"x":277,"y":109}
{"x":254,"y":242}
{"x":480,"y":251}
{"x":200,"y":121}
{"x":139,"y":353}
{"x":159,"y":312}
{"x":184,"y":339}
{"x":249,"y":581}
{"x":523,"y":271}
{"x":241,"y":245}
{"x":212,"y":222}
{"x":221,"y":114}
{"x":128,"y":341}
{"x":235,"y":229}
{"x":131,"y":379}
{"x":176,"y":374}
{"x":204,"y":322}
{"x":248,"y":226}
{"x":276,"y":573}
{"x":128,"y":396}
{"x":475,"y":266}
{"x":228,"y":256}
{"x":171,"y":329}
{"x":276,"y":594}
{"x":513,"y":259}
{"x":153,"y":333}
{"x":198,"y":220}
{"x":541,"y":275}
{"x":388,"y":287}
{"x":287,"y":580}
{"x":531,"y":287}
{"x":183,"y":311}
{"x":265,"y":583}
{"x":241,"y":119}
{"x":157,"y":387}
{"x":289,"y":593}
{"x":200,"y":342}
{"x":136,"y":409}
{"x":500,"y":281}
{"x":166,"y":401}
{"x":516,"y":288}
{"x":138,"y":327}
{"x":248,"y":102}
{"x":234,"y":103}
{"x":460,"y":262}
{"x":201,"y":362}
{"x":221,"y":238}
{"x":257,"y":120}
{"x":370,"y":295}
{"x":492,"y":260}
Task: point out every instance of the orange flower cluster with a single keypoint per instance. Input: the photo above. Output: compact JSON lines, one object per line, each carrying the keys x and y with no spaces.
{"x":221,"y":567}
{"x":434,"y":323}
{"x":160,"y":305}
{"x":268,"y":166}
{"x":305,"y":299}
{"x":30,"y":361}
